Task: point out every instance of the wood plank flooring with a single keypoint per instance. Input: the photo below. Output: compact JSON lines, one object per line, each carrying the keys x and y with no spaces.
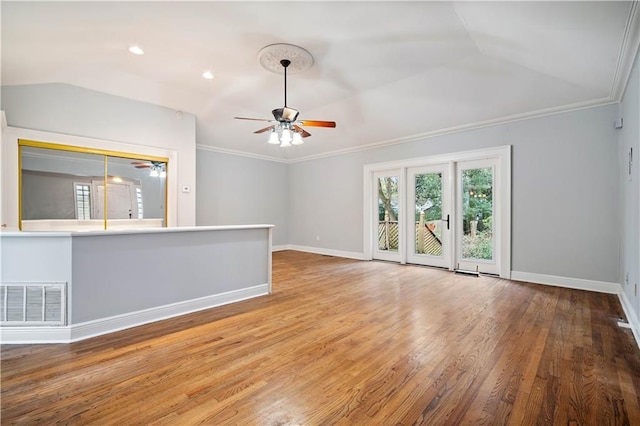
{"x":347,"y":343}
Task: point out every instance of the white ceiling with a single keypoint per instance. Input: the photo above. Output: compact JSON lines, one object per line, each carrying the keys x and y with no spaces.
{"x":384,"y":71}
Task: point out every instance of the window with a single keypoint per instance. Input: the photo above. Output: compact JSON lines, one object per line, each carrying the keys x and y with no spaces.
{"x":139,"y":201}
{"x":83,"y":201}
{"x":65,"y":187}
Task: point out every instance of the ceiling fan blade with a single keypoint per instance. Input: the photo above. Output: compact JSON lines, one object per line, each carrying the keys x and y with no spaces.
{"x":265,"y":129}
{"x":253,"y":119}
{"x":302,"y":131}
{"x":143,"y":166}
{"x":317,"y":123}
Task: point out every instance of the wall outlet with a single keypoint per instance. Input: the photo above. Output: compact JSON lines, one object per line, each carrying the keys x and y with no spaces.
{"x":186,"y":189}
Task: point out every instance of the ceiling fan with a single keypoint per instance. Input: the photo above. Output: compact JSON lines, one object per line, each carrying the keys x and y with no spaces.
{"x":157,"y":168}
{"x":286,"y":130}
{"x":147,"y":164}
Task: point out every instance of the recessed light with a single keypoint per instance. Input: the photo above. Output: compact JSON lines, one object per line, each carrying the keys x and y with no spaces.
{"x":208,"y":75}
{"x":136,"y":50}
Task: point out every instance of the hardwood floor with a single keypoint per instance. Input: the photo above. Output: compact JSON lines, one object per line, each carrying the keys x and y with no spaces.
{"x":347,"y":342}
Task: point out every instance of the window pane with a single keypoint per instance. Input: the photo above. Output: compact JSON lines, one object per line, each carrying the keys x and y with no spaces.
{"x":428,"y":208}
{"x":477,"y":213}
{"x":388,"y":213}
{"x":83,"y":201}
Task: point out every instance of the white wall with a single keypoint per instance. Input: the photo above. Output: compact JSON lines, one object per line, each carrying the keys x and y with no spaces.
{"x":564,"y":192}
{"x":234,"y":190}
{"x":69,"y":110}
{"x":629,"y":138}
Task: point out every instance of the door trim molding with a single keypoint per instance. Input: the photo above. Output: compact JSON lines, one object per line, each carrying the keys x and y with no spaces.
{"x":502,"y":153}
{"x":400,"y":255}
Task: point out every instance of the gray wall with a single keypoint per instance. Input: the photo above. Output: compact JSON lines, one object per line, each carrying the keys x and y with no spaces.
{"x":119,"y":274}
{"x":49,"y":195}
{"x":72,"y":110}
{"x":565,"y":192}
{"x":234,"y":190}
{"x":630,"y":189}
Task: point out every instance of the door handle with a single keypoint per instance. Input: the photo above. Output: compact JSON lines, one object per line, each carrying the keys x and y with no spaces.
{"x":446,"y":220}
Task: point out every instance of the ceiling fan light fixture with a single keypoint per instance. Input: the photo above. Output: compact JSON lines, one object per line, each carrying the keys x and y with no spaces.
{"x":297,"y":139}
{"x":285,"y":138}
{"x":154,"y":172}
{"x":285,"y":127}
{"x":273,"y":138}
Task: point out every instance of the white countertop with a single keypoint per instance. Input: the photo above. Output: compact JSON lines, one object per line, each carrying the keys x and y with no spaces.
{"x":131,"y":231}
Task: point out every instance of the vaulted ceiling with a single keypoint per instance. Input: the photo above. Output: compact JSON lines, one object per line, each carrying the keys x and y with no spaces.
{"x":384,"y":71}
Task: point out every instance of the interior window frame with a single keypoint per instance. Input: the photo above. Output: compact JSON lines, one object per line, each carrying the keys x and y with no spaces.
{"x":86,"y":150}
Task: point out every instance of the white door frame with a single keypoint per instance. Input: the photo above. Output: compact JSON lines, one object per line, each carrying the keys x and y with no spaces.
{"x":471,"y":264}
{"x":443,"y":261}
{"x":398,"y":256}
{"x":503,"y":176}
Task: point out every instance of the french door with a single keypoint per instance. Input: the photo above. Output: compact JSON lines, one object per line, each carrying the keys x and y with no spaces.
{"x":449,"y":211}
{"x":429,"y":215}
{"x":477,"y":216}
{"x":387,"y":213}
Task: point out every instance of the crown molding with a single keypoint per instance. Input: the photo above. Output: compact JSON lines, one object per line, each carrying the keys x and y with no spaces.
{"x":628,"y":52}
{"x":241,"y":153}
{"x":463,"y":128}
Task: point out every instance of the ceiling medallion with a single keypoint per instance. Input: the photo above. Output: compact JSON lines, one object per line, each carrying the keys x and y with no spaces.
{"x":271,"y":55}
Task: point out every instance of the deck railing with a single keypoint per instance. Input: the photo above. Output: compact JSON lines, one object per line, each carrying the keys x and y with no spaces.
{"x":426,"y":241}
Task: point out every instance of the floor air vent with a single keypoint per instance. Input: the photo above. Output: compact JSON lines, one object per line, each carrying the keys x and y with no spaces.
{"x":33,"y":304}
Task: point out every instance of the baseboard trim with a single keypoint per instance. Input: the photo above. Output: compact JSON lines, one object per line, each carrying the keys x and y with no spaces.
{"x":575,"y":283}
{"x":34,"y":335}
{"x":327,"y":252}
{"x":86,"y":330}
{"x":630,"y":314}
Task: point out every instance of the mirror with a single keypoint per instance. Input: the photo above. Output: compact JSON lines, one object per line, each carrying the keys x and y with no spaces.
{"x":136,"y":190}
{"x":62,"y":188}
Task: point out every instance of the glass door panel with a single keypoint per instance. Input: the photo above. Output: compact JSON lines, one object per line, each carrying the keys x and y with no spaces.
{"x":428,"y":227}
{"x":388,"y":212}
{"x":476,"y":248}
